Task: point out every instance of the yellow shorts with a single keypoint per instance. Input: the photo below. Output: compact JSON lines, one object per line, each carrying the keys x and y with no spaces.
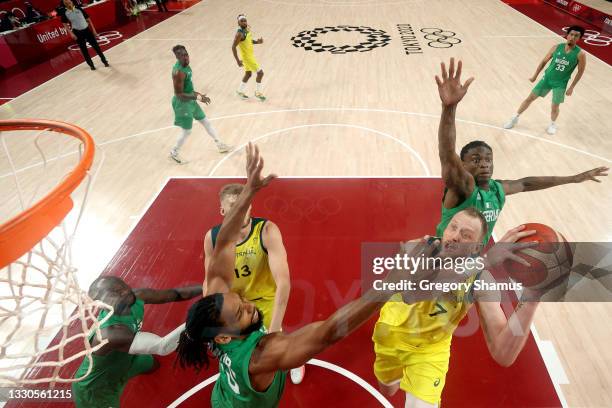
{"x":250,"y":65}
{"x":267,"y":307}
{"x":420,"y":371}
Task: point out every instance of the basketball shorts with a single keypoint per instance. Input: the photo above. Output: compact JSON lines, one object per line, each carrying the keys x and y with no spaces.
{"x":185,"y":112}
{"x":544,"y":87}
{"x":250,"y":65}
{"x":420,"y":371}
{"x":105,"y":391}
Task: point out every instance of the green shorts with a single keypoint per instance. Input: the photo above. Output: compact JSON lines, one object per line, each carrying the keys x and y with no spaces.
{"x":543,"y":88}
{"x":186,"y":112}
{"x":105,"y":390}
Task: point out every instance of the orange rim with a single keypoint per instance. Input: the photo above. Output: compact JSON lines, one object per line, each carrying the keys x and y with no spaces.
{"x":19,"y":234}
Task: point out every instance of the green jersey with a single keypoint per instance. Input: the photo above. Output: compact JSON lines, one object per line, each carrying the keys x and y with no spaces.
{"x":561,"y":66}
{"x":489,"y":202}
{"x":111,"y":372}
{"x":187,"y":85}
{"x":233,"y":387}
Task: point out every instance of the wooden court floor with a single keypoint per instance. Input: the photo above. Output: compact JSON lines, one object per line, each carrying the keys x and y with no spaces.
{"x":369,"y":113}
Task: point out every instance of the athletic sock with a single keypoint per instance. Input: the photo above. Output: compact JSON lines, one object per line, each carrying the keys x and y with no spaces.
{"x":181,"y":140}
{"x":209,"y":129}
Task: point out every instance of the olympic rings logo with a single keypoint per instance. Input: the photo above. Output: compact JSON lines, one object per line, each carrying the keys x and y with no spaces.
{"x":315,"y":211}
{"x":439,"y":38}
{"x":104,"y":38}
{"x":594,"y":38}
{"x":309,"y":39}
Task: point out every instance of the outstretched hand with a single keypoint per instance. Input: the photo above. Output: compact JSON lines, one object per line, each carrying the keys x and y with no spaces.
{"x":592,"y":175}
{"x":254,"y":166}
{"x":449,"y":87}
{"x":505,"y":248}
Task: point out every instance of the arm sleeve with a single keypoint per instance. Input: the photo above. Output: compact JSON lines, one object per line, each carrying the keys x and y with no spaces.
{"x":149,"y":343}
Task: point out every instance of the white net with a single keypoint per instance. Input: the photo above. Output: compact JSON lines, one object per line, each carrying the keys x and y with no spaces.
{"x":46,"y":319}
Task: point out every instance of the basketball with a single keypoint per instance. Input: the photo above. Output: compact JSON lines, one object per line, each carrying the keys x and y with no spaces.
{"x":549,"y":260}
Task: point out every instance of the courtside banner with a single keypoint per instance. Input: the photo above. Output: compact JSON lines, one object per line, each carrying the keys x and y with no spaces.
{"x":593,"y":16}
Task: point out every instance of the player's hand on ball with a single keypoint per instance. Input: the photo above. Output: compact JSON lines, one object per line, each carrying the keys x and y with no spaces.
{"x":254,"y":166}
{"x":592,"y":175}
{"x":506,"y":247}
{"x":569,"y":91}
{"x":449,"y":87}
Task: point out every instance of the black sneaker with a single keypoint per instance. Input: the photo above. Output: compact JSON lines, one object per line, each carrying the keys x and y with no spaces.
{"x":106,"y":64}
{"x":92,"y":67}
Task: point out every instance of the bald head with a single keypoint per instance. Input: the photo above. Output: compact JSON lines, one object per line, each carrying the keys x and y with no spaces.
{"x":113,"y":291}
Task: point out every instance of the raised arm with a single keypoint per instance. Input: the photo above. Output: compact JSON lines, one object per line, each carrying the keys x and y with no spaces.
{"x":540,"y":183}
{"x":277,"y":259}
{"x":543,"y":63}
{"x":581,"y":68}
{"x":451,"y":91}
{"x":220,"y":273}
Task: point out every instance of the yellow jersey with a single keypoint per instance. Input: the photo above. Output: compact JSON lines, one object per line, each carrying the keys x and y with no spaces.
{"x":253,"y":278}
{"x":428,"y":323}
{"x":246,"y":45}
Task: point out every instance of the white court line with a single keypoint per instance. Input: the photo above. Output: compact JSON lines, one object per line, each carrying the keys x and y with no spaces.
{"x":193,"y":391}
{"x":425,"y":115}
{"x":279,"y":131}
{"x":551,"y":359}
{"x":315,"y":362}
{"x":418,"y":114}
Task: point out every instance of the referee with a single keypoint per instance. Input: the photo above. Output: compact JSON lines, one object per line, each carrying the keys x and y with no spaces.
{"x":82,"y":30}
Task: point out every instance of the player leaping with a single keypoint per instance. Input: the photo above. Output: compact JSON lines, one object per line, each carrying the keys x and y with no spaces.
{"x":467,"y":176}
{"x":253,"y":364}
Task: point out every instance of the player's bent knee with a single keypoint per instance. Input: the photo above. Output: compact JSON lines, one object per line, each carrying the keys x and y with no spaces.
{"x":388,"y":390}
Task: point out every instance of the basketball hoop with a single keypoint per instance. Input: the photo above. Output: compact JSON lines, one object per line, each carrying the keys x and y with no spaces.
{"x":39,"y":293}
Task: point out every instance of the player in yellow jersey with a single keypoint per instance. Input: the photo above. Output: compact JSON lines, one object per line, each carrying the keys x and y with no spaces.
{"x":412,"y":336}
{"x":261,"y":270}
{"x":244,"y":41}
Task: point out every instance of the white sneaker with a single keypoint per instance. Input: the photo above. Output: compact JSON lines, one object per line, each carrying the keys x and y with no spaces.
{"x":297,"y":374}
{"x":551,"y":129}
{"x":174,"y":156}
{"x":512,"y":122}
{"x":223,"y":148}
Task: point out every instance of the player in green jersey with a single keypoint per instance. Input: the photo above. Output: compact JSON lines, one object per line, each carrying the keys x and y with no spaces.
{"x":253,"y":364}
{"x":565,"y":58}
{"x":185,"y":105}
{"x":468,"y":176}
{"x":129,"y":351}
